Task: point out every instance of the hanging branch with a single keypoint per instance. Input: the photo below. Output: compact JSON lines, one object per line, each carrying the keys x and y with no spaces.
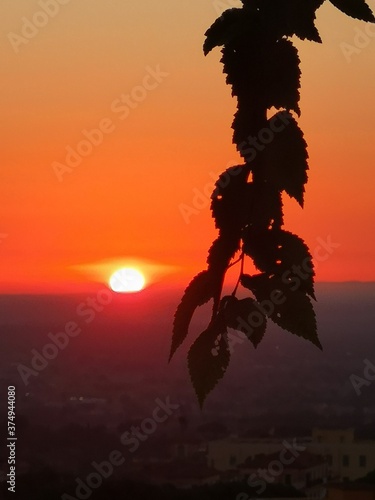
{"x":262,"y":67}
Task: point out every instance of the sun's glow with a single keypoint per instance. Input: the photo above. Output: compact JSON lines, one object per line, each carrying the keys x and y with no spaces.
{"x":127,"y":280}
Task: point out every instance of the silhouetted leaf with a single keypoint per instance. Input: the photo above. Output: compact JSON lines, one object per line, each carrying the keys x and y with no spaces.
{"x":263,"y":68}
{"x":285,"y":160}
{"x":273,"y":19}
{"x":222,"y":251}
{"x":229,"y":198}
{"x":199,"y":291}
{"x":264,"y":206}
{"x":279,"y":252}
{"x":293,"y":17}
{"x":220,"y":254}
{"x":262,"y":76}
{"x":246,"y":125}
{"x":355,"y":8}
{"x":245,"y":316}
{"x":208,"y":359}
{"x":290,"y":310}
{"x":224,"y":29}
{"x":228,"y":208}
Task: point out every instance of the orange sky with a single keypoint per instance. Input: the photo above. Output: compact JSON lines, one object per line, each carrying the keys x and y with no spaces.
{"x":124,"y":198}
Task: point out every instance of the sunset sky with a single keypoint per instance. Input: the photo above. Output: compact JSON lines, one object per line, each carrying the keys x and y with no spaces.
{"x":125,"y":198}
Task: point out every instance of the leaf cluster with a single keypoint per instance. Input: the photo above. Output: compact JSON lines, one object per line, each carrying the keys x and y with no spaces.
{"x":262,"y":66}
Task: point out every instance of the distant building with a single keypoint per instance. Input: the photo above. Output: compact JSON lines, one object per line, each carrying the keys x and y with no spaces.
{"x":187,"y":446}
{"x":307,"y":473}
{"x":351,"y":491}
{"x":229,"y":453}
{"x":181,"y":474}
{"x":348,"y":458}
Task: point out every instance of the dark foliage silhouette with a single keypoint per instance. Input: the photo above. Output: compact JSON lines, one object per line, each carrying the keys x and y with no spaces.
{"x":262,"y":67}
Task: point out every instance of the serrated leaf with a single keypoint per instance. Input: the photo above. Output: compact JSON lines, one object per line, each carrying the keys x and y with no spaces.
{"x":222,"y":251}
{"x":264,"y":206}
{"x":224,"y":29}
{"x":275,"y":251}
{"x":245,"y":316}
{"x":263,"y":74}
{"x":246,"y":124}
{"x":229,"y":198}
{"x":292,"y":311}
{"x":286,"y":17}
{"x":208,"y":359}
{"x":355,"y":8}
{"x":284,"y":77}
{"x":285,"y":160}
{"x":199,"y":291}
{"x":294,"y":17}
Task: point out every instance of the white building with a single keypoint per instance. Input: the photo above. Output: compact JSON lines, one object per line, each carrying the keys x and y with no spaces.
{"x":348,"y":458}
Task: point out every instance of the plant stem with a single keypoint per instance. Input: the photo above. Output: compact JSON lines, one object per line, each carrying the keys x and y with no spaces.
{"x":242,"y":259}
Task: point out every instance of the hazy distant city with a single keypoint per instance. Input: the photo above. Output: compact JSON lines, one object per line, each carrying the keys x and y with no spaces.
{"x":109,"y":398}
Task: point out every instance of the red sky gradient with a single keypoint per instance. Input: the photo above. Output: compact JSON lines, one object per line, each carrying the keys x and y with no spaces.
{"x":124,"y":199}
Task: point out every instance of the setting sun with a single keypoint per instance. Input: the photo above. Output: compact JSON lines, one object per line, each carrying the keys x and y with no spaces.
{"x":127,"y":280}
